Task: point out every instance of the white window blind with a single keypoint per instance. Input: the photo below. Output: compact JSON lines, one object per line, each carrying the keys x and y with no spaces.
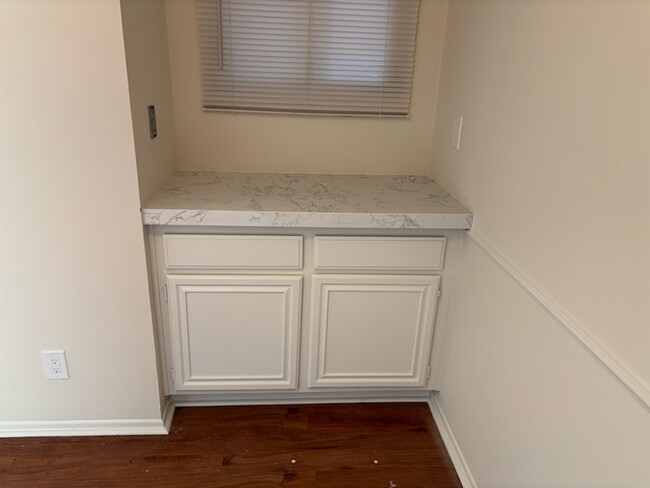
{"x":331,"y":57}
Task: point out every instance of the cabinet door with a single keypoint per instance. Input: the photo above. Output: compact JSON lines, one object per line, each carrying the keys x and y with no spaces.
{"x":371,"y":331}
{"x":234,"y":332}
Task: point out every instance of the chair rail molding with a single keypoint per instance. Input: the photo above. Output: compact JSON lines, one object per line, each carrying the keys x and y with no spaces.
{"x":635,"y":385}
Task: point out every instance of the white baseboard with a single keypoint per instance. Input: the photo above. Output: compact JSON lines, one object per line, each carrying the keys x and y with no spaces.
{"x":635,"y":385}
{"x":456,"y":455}
{"x":168,"y":414}
{"x":67,"y":428}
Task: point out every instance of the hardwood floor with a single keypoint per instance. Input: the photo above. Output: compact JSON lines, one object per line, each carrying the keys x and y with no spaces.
{"x":333,"y":446}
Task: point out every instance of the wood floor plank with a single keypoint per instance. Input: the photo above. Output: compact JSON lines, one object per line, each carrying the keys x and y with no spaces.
{"x":322,"y":446}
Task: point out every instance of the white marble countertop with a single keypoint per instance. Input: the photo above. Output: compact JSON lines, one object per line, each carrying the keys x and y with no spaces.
{"x":304,"y":200}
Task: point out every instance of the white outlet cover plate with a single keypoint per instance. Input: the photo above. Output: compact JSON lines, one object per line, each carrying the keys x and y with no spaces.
{"x":55,"y":365}
{"x":458,"y":127}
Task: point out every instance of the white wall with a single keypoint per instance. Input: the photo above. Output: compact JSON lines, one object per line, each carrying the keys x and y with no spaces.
{"x":554,"y":163}
{"x":555,"y":150}
{"x":529,"y":407}
{"x":144,"y":25}
{"x":273,"y":143}
{"x":71,"y":254}
{"x":147,"y":59}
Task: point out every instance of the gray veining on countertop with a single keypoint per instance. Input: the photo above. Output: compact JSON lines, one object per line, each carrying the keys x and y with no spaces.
{"x":304,"y":200}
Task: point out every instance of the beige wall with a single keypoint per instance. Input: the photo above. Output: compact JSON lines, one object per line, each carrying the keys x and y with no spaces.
{"x":71,"y":253}
{"x":147,"y":58}
{"x":272,"y":143}
{"x":528,"y":406}
{"x":555,"y":153}
{"x":554,"y":163}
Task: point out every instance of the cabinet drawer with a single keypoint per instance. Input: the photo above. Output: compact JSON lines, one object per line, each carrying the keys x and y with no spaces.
{"x":233,"y":252}
{"x":378,"y":253}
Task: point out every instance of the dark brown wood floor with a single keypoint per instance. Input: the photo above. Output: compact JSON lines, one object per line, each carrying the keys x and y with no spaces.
{"x":333,"y":446}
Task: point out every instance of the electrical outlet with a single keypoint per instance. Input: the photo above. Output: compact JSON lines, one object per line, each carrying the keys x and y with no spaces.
{"x":55,"y":365}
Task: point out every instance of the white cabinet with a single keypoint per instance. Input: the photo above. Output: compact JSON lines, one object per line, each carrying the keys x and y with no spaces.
{"x":232,"y":320}
{"x":371,"y":331}
{"x":234,"y":332}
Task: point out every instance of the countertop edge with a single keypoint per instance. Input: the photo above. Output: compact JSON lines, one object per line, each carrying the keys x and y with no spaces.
{"x":245,"y":218}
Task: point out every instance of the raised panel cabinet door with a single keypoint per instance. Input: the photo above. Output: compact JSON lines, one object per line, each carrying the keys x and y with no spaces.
{"x":371,"y":331}
{"x":234,"y":332}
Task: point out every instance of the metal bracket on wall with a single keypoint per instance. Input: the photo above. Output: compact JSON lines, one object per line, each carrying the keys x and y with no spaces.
{"x":153,"y":128}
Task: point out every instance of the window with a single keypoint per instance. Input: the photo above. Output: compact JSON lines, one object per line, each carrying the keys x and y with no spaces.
{"x":330,"y":57}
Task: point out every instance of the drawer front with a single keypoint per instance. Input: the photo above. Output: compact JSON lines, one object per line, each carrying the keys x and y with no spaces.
{"x":378,"y":253}
{"x":233,"y":252}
